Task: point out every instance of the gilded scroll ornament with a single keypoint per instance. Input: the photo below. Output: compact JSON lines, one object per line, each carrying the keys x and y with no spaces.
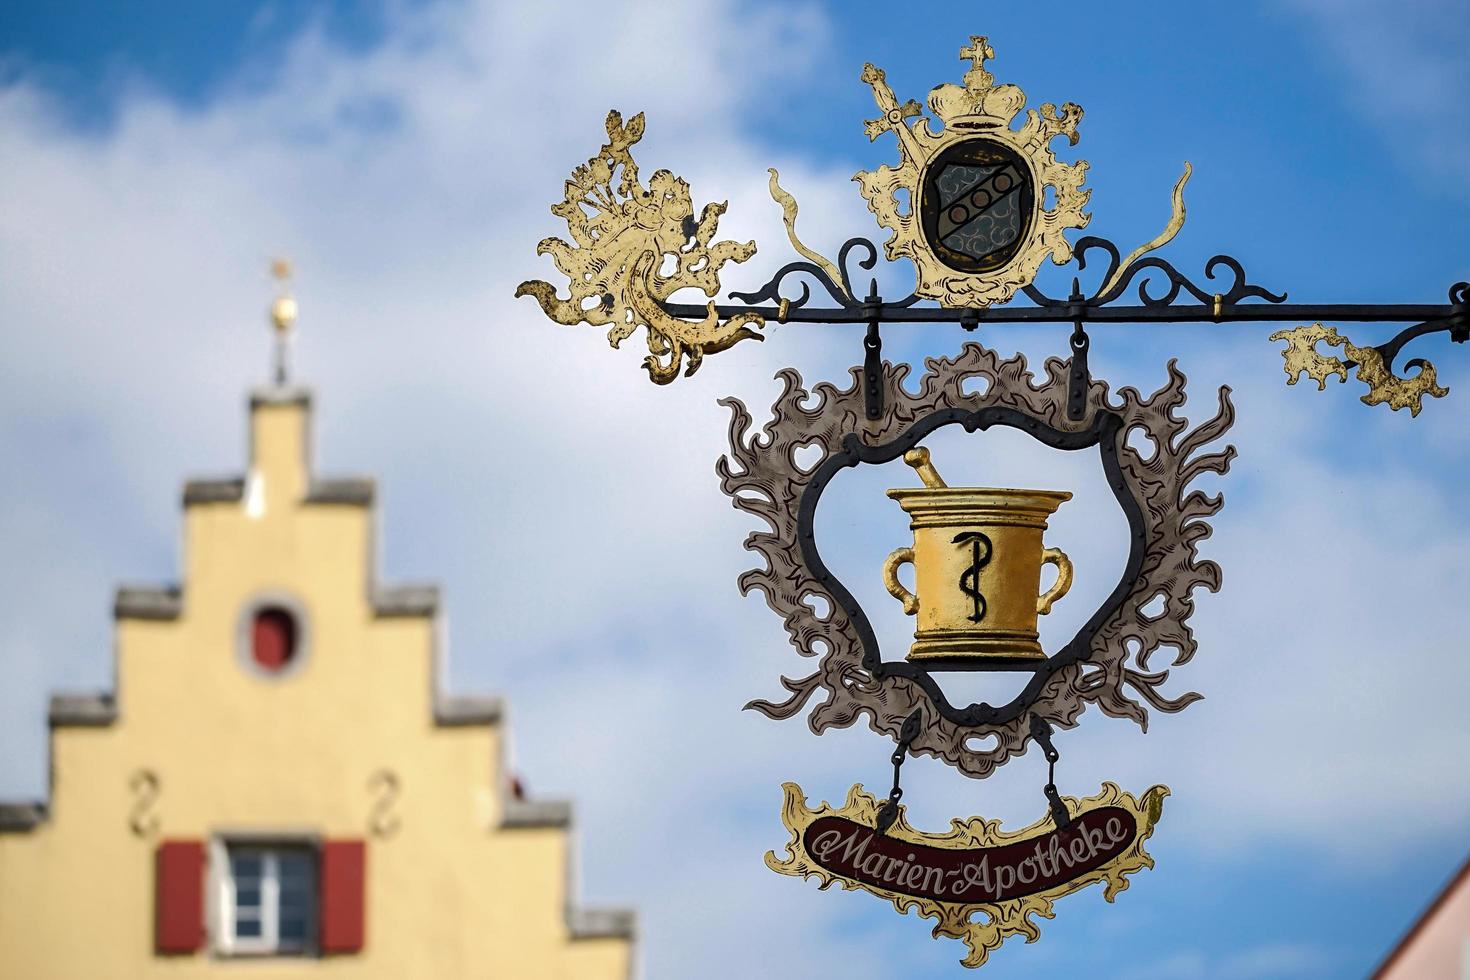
{"x":632,"y":248}
{"x":1176,"y":222}
{"x":1384,"y":387}
{"x":788,"y":215}
{"x":980,"y":884}
{"x":1111,"y":666}
{"x":966,"y":204}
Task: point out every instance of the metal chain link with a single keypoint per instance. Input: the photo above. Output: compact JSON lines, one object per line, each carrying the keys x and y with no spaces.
{"x":907,"y":735}
{"x":1041,"y":732}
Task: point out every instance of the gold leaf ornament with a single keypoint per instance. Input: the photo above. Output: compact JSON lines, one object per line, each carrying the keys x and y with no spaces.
{"x":632,"y":247}
{"x":1384,"y":387}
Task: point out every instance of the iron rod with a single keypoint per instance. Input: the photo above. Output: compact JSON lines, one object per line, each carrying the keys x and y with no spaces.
{"x":1183,"y":313}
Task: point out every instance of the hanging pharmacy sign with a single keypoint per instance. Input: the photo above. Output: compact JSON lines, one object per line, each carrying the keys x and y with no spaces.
{"x":976,"y":203}
{"x":980,"y":883}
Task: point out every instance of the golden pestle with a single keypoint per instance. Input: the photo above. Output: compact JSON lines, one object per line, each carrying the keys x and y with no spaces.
{"x":918,"y":458}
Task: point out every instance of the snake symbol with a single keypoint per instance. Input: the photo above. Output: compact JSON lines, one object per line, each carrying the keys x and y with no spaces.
{"x":980,"y":550}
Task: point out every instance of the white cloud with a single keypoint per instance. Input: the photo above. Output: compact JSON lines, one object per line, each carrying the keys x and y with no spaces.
{"x":1398,"y":61}
{"x":410,"y":184}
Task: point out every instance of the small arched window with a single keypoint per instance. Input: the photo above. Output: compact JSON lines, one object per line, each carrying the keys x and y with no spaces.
{"x":273,"y":636}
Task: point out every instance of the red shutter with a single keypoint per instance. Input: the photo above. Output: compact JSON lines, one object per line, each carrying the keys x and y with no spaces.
{"x":343,"y":895}
{"x":179,"y":896}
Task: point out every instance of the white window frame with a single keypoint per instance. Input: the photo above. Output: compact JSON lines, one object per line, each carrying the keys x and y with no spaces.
{"x":269,"y":942}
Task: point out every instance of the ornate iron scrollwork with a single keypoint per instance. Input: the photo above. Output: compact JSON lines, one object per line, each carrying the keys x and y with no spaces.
{"x":968,"y":206}
{"x":1107,"y":663}
{"x":1118,"y":277}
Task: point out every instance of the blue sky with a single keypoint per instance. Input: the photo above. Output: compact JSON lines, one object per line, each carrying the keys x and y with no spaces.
{"x":405,"y":156}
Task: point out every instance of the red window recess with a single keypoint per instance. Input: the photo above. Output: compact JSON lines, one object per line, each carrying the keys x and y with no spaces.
{"x":343,"y":897}
{"x":179,"y":896}
{"x":273,"y":638}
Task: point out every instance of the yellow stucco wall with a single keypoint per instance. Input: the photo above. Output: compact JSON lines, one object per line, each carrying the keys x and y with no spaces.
{"x":452,"y":893}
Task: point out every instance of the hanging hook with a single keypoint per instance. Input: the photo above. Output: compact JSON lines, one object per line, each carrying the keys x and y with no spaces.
{"x":873,"y":355}
{"x":1041,"y":733}
{"x":1080,"y":380}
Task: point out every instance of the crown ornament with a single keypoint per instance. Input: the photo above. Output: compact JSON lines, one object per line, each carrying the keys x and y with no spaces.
{"x":979,"y":97}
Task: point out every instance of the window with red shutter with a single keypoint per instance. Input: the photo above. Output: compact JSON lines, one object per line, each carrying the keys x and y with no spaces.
{"x":343,"y":885}
{"x":268,"y":898}
{"x":179,"y":896}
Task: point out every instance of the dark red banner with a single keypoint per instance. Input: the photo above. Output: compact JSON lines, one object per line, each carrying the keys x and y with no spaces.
{"x":976,"y":874}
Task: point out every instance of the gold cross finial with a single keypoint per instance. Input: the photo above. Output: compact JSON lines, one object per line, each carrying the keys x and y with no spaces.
{"x":893,"y":113}
{"x":979,"y":52}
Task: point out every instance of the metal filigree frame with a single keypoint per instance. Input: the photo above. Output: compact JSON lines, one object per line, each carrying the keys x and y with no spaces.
{"x":1108,"y":659}
{"x":1001,"y":920}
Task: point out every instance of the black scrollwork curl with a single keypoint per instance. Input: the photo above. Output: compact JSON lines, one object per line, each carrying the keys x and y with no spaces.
{"x":1457,"y":324}
{"x":1085,"y":244}
{"x":771,"y":291}
{"x":842,"y":293}
{"x":1115,"y":284}
{"x":1460,"y":322}
{"x":866,"y":263}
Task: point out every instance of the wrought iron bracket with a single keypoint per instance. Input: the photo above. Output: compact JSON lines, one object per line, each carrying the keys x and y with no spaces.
{"x":1222,"y":303}
{"x":1457,"y":323}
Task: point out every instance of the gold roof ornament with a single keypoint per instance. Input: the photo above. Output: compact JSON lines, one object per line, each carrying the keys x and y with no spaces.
{"x":283,"y":317}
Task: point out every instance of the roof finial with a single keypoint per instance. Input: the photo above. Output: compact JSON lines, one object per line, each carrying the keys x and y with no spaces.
{"x":283,"y":315}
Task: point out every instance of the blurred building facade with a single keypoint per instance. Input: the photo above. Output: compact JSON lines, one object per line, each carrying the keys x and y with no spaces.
{"x":1437,"y":946}
{"x":277,"y":788}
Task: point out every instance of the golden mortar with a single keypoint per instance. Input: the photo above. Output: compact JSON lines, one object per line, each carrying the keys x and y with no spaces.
{"x":977,"y":558}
